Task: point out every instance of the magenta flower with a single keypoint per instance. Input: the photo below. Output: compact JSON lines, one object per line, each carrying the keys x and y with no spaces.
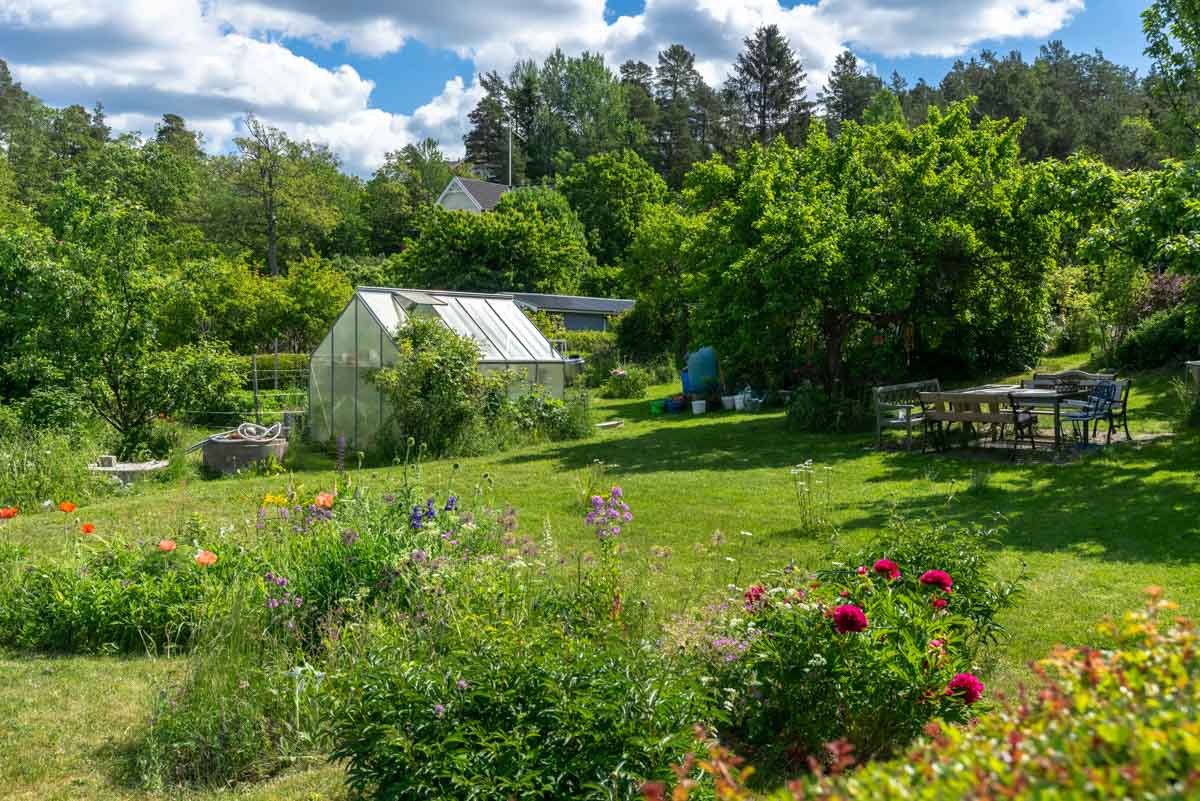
{"x":887,"y":567}
{"x":848,"y":619}
{"x":966,"y":687}
{"x":937,"y":578}
{"x":940,"y":603}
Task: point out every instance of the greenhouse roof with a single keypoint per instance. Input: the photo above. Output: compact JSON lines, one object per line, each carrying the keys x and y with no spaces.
{"x":502,"y":331}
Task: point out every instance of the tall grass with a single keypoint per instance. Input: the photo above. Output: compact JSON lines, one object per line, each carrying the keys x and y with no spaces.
{"x":46,"y":464}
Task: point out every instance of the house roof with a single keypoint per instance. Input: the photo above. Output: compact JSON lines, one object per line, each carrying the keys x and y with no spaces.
{"x":484,"y":194}
{"x":498,"y":327}
{"x":572,"y":303}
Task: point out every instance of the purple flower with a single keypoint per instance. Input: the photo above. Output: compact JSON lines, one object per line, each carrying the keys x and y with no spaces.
{"x":628,"y":517}
{"x":461,"y":684}
{"x":415,"y":520}
{"x":616,"y":492}
{"x":298,"y":600}
{"x":439,"y":710}
{"x":269,"y":576}
{"x":451,"y":504}
{"x":419,"y":556}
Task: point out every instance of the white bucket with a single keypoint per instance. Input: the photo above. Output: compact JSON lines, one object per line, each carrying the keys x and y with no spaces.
{"x":699,"y":407}
{"x":739,"y":402}
{"x":727,"y":401}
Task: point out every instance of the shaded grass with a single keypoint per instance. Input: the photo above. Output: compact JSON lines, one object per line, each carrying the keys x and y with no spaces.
{"x":1090,"y":534}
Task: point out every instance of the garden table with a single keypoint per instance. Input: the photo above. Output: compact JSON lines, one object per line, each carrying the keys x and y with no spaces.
{"x":987,"y":403}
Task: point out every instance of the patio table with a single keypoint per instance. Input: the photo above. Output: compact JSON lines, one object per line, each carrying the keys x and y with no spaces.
{"x":996,"y":397}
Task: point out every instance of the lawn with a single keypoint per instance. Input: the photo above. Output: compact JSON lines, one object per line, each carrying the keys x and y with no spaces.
{"x":1089,"y":534}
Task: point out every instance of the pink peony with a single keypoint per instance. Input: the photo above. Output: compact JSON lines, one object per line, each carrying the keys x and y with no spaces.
{"x":862,"y":570}
{"x":966,"y":687}
{"x":937,"y":578}
{"x":888,"y":568}
{"x":755,"y":596}
{"x":939,"y":603}
{"x":848,"y":619}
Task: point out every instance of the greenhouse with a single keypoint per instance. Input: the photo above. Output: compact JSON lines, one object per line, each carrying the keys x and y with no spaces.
{"x":343,"y":402}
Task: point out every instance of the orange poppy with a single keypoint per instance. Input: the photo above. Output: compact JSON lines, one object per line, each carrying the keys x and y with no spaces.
{"x":88,"y":528}
{"x":324,"y":500}
{"x":66,"y":506}
{"x":8,"y":512}
{"x":166,"y":546}
{"x":206,"y":558}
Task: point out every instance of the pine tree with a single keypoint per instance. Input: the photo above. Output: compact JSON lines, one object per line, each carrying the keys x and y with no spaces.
{"x":676,"y":81}
{"x":848,"y":92}
{"x":637,"y":81}
{"x":768,"y":79}
{"x":487,"y":141}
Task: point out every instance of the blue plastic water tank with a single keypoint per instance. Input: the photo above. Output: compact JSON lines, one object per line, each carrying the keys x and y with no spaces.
{"x":702,"y":371}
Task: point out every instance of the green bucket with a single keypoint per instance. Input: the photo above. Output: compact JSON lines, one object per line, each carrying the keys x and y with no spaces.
{"x":656,"y":407}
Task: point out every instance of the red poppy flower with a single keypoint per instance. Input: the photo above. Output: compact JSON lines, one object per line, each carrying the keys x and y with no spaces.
{"x":887,"y":567}
{"x":206,"y":558}
{"x":166,"y":546}
{"x":937,"y":578}
{"x":88,"y":528}
{"x":849,"y":619}
{"x":66,"y":506}
{"x":8,"y":512}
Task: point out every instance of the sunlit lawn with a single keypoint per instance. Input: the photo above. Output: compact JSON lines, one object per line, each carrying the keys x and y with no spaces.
{"x":1090,"y":534}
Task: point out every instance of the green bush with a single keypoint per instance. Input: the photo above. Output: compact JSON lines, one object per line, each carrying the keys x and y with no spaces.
{"x":531,"y":713}
{"x":1119,"y":722}
{"x":587,"y":343}
{"x":434,"y":389}
{"x":629,"y":381}
{"x":812,"y":411}
{"x":293,"y":371}
{"x":1162,"y":338}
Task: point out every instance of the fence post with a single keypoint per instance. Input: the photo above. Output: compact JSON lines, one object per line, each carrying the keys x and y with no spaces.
{"x":276,"y":346}
{"x":254,"y":374}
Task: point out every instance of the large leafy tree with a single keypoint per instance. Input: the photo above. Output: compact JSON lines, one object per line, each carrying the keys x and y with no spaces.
{"x":768,"y":79}
{"x":610,"y":193}
{"x":1172,"y":29}
{"x":884,"y":227}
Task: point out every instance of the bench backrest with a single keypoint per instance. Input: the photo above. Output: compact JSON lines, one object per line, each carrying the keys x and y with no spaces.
{"x":990,"y":407}
{"x":906,"y":394}
{"x":1079,"y":377}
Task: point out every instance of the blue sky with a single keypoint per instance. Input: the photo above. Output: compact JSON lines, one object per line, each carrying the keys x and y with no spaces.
{"x":370,"y":76}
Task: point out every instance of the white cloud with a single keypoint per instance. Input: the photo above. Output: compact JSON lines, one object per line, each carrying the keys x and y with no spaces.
{"x":214,"y":60}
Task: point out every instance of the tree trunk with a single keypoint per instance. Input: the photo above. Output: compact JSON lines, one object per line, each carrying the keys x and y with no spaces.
{"x":835,"y":328}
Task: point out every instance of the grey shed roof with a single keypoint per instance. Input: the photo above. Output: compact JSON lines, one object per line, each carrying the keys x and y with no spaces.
{"x":486,"y":194}
{"x":572,"y":303}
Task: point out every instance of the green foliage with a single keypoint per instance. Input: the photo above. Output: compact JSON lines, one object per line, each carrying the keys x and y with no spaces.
{"x":1163,"y":338}
{"x":39,"y":464}
{"x":518,"y":250}
{"x":434,"y":388}
{"x":811,"y":410}
{"x":586,"y":343}
{"x":527,"y":714}
{"x":610,"y":193}
{"x":116,"y":599}
{"x":625,"y":381}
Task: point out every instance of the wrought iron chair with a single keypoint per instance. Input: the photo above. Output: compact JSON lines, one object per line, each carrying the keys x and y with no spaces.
{"x":1024,"y":423}
{"x":1097,"y":407}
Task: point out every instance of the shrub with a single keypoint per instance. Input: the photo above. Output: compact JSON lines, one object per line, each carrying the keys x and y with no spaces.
{"x":629,"y":381}
{"x":588,"y":343}
{"x":542,"y":417}
{"x":531,"y":713}
{"x":1122,"y":722}
{"x":1162,"y":338}
{"x":293,"y":371}
{"x":812,"y":411}
{"x":434,"y":389}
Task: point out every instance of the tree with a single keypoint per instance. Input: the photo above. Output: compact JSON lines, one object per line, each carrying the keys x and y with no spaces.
{"x":487,"y":141}
{"x":392,"y":204}
{"x":264,"y":159}
{"x":1172,"y":29}
{"x":610,"y":193}
{"x":848,"y":93}
{"x":676,"y":85}
{"x":518,"y":247}
{"x":884,"y":108}
{"x":882,"y":228}
{"x":769,"y":81}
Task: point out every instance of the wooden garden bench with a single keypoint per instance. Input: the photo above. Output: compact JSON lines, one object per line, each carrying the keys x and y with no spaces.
{"x":895,"y":407}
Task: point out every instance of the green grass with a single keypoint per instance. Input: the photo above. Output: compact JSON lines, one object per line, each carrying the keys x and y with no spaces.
{"x":1091,"y":535}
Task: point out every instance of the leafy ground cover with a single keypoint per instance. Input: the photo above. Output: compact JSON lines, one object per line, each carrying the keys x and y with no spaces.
{"x":718,"y":502}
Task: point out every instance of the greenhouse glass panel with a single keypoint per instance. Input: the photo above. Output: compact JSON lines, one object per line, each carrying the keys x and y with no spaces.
{"x":553,"y":377}
{"x":524,"y":330}
{"x":345,"y":379}
{"x":505,"y":341}
{"x":319,"y":390}
{"x":384,"y":308}
{"x":456,"y":317}
{"x":370,"y":358}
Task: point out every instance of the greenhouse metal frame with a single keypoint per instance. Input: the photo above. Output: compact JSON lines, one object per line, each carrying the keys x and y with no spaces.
{"x":341,"y":399}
